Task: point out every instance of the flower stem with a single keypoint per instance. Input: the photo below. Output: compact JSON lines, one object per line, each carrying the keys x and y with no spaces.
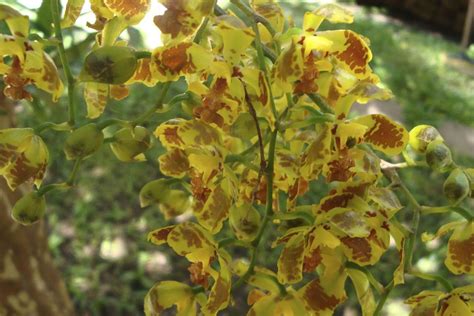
{"x":62,"y":55}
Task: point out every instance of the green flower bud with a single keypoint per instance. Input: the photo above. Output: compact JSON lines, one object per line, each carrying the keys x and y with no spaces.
{"x":154,"y":192}
{"x":83,"y":142}
{"x":130,"y":144}
{"x":456,"y":187}
{"x":470,"y":175}
{"x":438,"y":156}
{"x":422,"y":135}
{"x":29,"y":209}
{"x":109,"y":64}
{"x":245,"y":222}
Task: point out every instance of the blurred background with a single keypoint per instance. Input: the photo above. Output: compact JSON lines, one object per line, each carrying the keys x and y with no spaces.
{"x":97,"y":232}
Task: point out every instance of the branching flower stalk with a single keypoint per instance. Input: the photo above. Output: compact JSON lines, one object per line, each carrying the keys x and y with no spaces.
{"x":266,"y":114}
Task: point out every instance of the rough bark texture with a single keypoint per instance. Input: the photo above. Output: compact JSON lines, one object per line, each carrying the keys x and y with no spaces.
{"x":30,"y":283}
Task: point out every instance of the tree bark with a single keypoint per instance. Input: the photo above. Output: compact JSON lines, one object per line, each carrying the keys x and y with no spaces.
{"x":30,"y":283}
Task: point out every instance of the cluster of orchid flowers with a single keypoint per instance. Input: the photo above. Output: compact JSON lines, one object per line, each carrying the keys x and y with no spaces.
{"x":270,"y":113}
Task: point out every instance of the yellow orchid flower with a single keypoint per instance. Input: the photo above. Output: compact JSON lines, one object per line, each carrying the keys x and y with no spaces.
{"x":23,"y":156}
{"x":459,"y":301}
{"x":197,"y":245}
{"x":459,"y":259}
{"x":29,"y":64}
{"x":182,"y":18}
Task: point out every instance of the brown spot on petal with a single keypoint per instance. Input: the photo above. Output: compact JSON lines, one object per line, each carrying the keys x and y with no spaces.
{"x":461,"y":253}
{"x":356,"y":54}
{"x":384,"y":133}
{"x":219,"y":296}
{"x":316,"y":298}
{"x":339,"y":200}
{"x":198,"y":275}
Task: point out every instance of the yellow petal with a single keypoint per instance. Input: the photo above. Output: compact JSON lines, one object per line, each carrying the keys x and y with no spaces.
{"x":13,"y":141}
{"x":363,"y":291}
{"x":73,"y":10}
{"x":131,"y":11}
{"x":215,"y":211}
{"x":96,"y":96}
{"x":322,"y":298}
{"x":351,"y":50}
{"x":219,"y":297}
{"x":174,"y":163}
{"x":384,"y":134}
{"x":290,"y":262}
{"x":236,"y":37}
{"x":460,"y":258}
{"x":28,"y":165}
{"x":182,"y":18}
{"x":18,"y":24}
{"x":424,"y":303}
{"x":165,"y":294}
{"x":331,"y":12}
{"x":40,"y":68}
{"x":173,"y":61}
{"x":143,"y":73}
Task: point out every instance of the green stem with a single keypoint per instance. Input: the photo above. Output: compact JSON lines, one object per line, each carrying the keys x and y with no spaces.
{"x":255,"y":16}
{"x":201,"y":30}
{"x":376,"y":284}
{"x":51,"y":187}
{"x":319,"y":100}
{"x":268,"y":211}
{"x":414,"y":226}
{"x":145,"y":116}
{"x":447,"y":208}
{"x":62,"y":55}
{"x":73,"y":175}
{"x":110,"y":122}
{"x":142,"y":54}
{"x":63,"y":127}
{"x":232,"y":241}
{"x":383,"y":298}
{"x":433,"y":277}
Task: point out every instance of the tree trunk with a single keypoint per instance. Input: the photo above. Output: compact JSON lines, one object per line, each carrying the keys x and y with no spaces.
{"x":30,"y":283}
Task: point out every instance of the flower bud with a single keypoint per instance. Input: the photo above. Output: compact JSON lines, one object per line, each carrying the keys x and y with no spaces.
{"x":154,"y":192}
{"x":456,"y":187}
{"x":244,"y":221}
{"x":109,"y":64}
{"x":470,"y":175}
{"x":29,"y":209}
{"x":83,"y":142}
{"x":422,"y":135}
{"x":438,"y":156}
{"x":130,"y":144}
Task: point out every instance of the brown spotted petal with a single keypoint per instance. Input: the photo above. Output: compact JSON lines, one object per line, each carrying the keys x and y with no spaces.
{"x":384,"y":134}
{"x":182,"y":18}
{"x":143,"y":73}
{"x":171,"y":62}
{"x":322,"y":298}
{"x":215,"y":210}
{"x":351,"y":51}
{"x":165,"y":294}
{"x":23,"y":157}
{"x":366,"y":250}
{"x":187,"y":239}
{"x":72,"y":12}
{"x":179,"y":133}
{"x":290,"y":262}
{"x":317,"y":154}
{"x":288,"y":67}
{"x":424,"y":303}
{"x":460,"y":256}
{"x":174,"y":163}
{"x":219,"y":296}
{"x":132,"y":11}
